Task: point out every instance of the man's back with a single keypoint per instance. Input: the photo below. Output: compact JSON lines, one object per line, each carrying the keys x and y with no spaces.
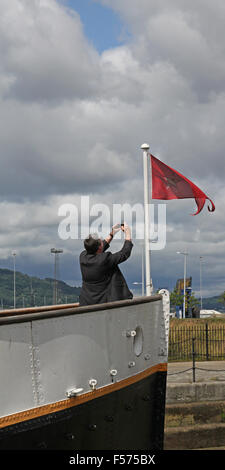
{"x":102,"y":279}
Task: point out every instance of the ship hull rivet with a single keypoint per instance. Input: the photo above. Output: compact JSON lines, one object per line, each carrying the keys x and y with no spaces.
{"x":146,"y":398}
{"x":42,"y":445}
{"x":110,"y":419}
{"x":128,"y":407}
{"x":69,"y":436}
{"x":92,"y":427}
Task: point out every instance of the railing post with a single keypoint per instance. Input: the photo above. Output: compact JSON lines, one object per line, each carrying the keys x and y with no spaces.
{"x":193,"y":358}
{"x":207,"y":341}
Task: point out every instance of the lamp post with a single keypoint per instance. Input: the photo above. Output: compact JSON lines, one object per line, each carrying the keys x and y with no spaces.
{"x":56,"y":253}
{"x":142,"y":272}
{"x":185,"y":253}
{"x":200,"y":260}
{"x":14,"y":277}
{"x":136,"y":283}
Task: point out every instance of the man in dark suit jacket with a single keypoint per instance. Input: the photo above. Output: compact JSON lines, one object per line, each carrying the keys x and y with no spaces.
{"x":101,"y":276}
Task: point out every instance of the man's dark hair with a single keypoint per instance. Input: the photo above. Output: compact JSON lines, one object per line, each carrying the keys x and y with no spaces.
{"x":91,"y":244}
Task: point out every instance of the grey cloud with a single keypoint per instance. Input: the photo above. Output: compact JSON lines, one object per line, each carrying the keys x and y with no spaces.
{"x":43,"y":145}
{"x":44,"y":54}
{"x":57,"y":150}
{"x":188,"y":35}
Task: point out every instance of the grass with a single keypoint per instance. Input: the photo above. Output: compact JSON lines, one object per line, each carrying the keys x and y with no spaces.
{"x":197,"y":321}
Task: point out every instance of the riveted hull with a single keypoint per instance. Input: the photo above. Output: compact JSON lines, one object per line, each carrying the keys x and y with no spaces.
{"x":124,"y":410}
{"x":129,"y":418}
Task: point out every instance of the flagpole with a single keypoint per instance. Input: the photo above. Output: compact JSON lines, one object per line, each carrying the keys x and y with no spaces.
{"x":145,"y":148}
{"x":185,"y":253}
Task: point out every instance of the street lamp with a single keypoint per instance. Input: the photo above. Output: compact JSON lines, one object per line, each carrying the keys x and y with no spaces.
{"x":200,"y":259}
{"x":56,"y":253}
{"x":136,"y":283}
{"x":14,"y":277}
{"x":185,"y":253}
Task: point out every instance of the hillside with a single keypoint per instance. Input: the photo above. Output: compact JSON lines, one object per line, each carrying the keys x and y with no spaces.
{"x":32,"y":291}
{"x":213,"y":303}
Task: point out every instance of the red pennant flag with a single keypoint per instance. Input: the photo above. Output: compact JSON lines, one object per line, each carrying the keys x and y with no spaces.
{"x":169,"y":184}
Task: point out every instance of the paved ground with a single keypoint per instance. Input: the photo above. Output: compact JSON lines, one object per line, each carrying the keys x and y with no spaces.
{"x":181,"y":372}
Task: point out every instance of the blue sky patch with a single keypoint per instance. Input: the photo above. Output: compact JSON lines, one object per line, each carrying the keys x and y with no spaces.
{"x":102,"y":26}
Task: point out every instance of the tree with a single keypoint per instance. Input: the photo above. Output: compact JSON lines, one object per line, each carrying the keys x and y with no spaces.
{"x":176,"y":298}
{"x":193,"y":301}
{"x":222,"y":298}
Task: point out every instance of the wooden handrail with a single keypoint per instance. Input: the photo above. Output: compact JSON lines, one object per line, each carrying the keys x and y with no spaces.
{"x":42,"y":308}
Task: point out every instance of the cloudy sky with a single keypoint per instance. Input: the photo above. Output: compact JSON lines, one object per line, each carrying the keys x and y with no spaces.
{"x":83,"y":84}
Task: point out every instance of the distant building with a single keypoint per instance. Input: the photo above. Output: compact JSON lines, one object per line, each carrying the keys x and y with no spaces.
{"x":180,"y":284}
{"x":209,"y":313}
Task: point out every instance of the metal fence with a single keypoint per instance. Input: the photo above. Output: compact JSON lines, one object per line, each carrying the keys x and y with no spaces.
{"x":209,"y":342}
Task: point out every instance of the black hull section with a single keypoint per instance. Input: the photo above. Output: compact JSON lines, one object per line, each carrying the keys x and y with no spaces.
{"x":131,"y":418}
